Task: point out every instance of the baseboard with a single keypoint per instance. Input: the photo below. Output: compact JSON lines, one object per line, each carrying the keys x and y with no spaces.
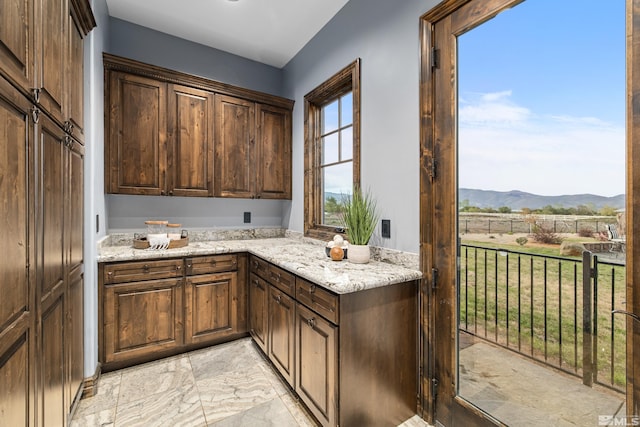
{"x":90,"y":388}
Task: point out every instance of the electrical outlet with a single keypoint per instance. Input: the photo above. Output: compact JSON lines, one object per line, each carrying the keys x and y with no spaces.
{"x":386,"y":228}
{"x":247,"y":217}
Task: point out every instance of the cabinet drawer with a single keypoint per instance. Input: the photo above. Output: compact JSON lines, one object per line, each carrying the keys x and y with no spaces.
{"x":318,"y":299}
{"x":142,"y":270}
{"x":211,"y":264}
{"x":282,"y":280}
{"x":260,"y":267}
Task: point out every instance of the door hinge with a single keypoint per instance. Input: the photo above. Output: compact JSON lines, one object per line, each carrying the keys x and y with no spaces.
{"x":435,"y":58}
{"x":434,"y":278}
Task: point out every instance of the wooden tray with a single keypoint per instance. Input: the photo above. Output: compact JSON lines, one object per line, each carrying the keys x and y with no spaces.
{"x":173,"y":244}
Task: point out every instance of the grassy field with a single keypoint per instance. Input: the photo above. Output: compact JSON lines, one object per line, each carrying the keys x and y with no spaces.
{"x":534,"y":304}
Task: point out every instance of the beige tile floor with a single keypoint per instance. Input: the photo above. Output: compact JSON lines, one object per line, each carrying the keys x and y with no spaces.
{"x":225,"y":385}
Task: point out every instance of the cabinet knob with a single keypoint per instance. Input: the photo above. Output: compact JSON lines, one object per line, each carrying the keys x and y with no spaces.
{"x":146,"y":268}
{"x":110,"y":274}
{"x":311,"y":322}
{"x":312,"y":289}
{"x":188,"y":265}
{"x":255,"y":282}
{"x":278,"y":299}
{"x":213,"y":263}
{"x":179,"y":268}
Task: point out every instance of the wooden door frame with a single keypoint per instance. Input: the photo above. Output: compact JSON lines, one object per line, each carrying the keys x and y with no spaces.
{"x":437,"y":244}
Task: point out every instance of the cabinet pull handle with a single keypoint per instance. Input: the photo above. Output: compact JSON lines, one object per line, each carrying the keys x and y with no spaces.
{"x":110,"y":274}
{"x":179,"y":268}
{"x":311,"y":322}
{"x":278,"y":299}
{"x":255,"y":282}
{"x":188,"y":265}
{"x":312,"y":289}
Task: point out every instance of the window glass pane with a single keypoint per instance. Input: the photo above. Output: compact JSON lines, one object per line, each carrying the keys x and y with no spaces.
{"x":330,"y":117}
{"x":346,"y":114}
{"x":330,"y":149}
{"x":346,"y":136}
{"x":337,"y":181}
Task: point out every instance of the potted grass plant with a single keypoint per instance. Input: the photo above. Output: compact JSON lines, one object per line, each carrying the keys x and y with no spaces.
{"x":359,"y":217}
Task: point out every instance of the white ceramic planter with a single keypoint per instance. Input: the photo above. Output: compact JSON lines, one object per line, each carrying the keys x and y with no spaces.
{"x":359,"y":254}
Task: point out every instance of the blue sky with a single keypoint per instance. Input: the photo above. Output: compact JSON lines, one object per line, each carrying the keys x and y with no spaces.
{"x":542,"y":99}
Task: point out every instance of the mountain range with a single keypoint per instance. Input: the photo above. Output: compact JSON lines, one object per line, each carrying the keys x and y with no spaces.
{"x":516,"y":199}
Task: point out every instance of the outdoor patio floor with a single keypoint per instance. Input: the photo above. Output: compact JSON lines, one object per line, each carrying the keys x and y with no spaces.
{"x":521,"y":392}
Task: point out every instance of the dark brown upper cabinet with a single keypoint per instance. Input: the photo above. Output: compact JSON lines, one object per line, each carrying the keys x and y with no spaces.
{"x":190,"y":142}
{"x":171,"y":133}
{"x":137,"y":157}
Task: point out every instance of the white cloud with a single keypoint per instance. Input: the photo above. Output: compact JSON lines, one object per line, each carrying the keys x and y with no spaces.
{"x":504,"y":146}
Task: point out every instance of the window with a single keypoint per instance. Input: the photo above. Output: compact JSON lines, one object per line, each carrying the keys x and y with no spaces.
{"x":332,"y":149}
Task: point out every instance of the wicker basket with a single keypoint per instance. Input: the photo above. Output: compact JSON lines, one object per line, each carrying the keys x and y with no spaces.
{"x":173,"y":244}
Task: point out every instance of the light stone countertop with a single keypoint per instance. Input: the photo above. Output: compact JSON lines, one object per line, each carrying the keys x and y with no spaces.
{"x":305,"y":259}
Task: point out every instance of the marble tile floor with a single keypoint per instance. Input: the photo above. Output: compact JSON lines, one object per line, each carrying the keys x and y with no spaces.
{"x":227,"y":385}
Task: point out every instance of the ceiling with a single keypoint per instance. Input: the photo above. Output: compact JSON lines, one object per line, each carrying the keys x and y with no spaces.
{"x":268,"y":31}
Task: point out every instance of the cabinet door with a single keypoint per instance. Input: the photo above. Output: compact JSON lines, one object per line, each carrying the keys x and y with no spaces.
{"x":234,"y":174}
{"x":190,"y":138}
{"x":51,"y":353}
{"x":74,"y":226}
{"x":136,"y":143}
{"x":211,"y":307}
{"x":273,"y":164}
{"x":258,"y":314}
{"x":142,"y":319}
{"x":51,"y":24}
{"x":17,"y":269}
{"x":316,"y":364}
{"x":282,"y":332}
{"x":16,"y":42}
{"x":74,"y":102}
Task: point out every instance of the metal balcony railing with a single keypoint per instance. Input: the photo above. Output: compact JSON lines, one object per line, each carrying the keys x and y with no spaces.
{"x":555,"y":310}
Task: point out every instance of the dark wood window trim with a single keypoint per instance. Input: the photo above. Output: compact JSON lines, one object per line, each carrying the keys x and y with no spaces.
{"x":346,"y":80}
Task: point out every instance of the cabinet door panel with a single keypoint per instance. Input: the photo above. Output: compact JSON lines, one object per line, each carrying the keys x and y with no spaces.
{"x":52,"y":24}
{"x":281,"y":332}
{"x":273,"y":164}
{"x":16,"y":42}
{"x":211,"y":307}
{"x":141,"y":318}
{"x":52,"y":195}
{"x":234,"y":147}
{"x":52,"y":366}
{"x":16,"y":139}
{"x":137,"y":133}
{"x":258,"y":313}
{"x":316,"y":364}
{"x":75,"y":333}
{"x":74,"y":104}
{"x":14,"y":394}
{"x":190,"y":136}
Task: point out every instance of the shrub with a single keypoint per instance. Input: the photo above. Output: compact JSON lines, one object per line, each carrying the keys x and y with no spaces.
{"x":545,"y":235}
{"x":522,"y":241}
{"x":585,"y":232}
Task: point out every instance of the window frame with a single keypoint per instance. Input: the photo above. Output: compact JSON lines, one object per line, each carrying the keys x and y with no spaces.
{"x":344,"y":81}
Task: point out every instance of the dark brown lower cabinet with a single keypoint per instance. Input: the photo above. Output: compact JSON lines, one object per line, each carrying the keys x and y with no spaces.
{"x":142,"y":319}
{"x":211,"y":307}
{"x":354,"y":355}
{"x":316,"y":364}
{"x":258,"y":310}
{"x":154,"y":308}
{"x":281,"y":332}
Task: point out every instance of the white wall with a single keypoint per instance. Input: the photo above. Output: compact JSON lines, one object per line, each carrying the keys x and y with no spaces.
{"x":94,"y":199}
{"x":385,"y":35}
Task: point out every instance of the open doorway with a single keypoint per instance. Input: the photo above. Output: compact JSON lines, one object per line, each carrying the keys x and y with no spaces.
{"x":520,"y":108}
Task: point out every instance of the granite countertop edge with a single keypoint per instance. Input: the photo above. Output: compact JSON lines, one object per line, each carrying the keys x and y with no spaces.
{"x":305,"y":259}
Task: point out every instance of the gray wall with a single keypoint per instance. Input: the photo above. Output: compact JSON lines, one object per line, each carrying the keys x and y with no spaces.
{"x":153,"y":47}
{"x":385,"y":35}
{"x":95,"y":43}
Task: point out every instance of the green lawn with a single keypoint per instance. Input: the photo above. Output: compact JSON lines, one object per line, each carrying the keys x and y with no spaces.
{"x":534,"y":305}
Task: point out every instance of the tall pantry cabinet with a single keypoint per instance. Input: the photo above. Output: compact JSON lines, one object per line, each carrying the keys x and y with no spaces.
{"x":41,"y":208}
